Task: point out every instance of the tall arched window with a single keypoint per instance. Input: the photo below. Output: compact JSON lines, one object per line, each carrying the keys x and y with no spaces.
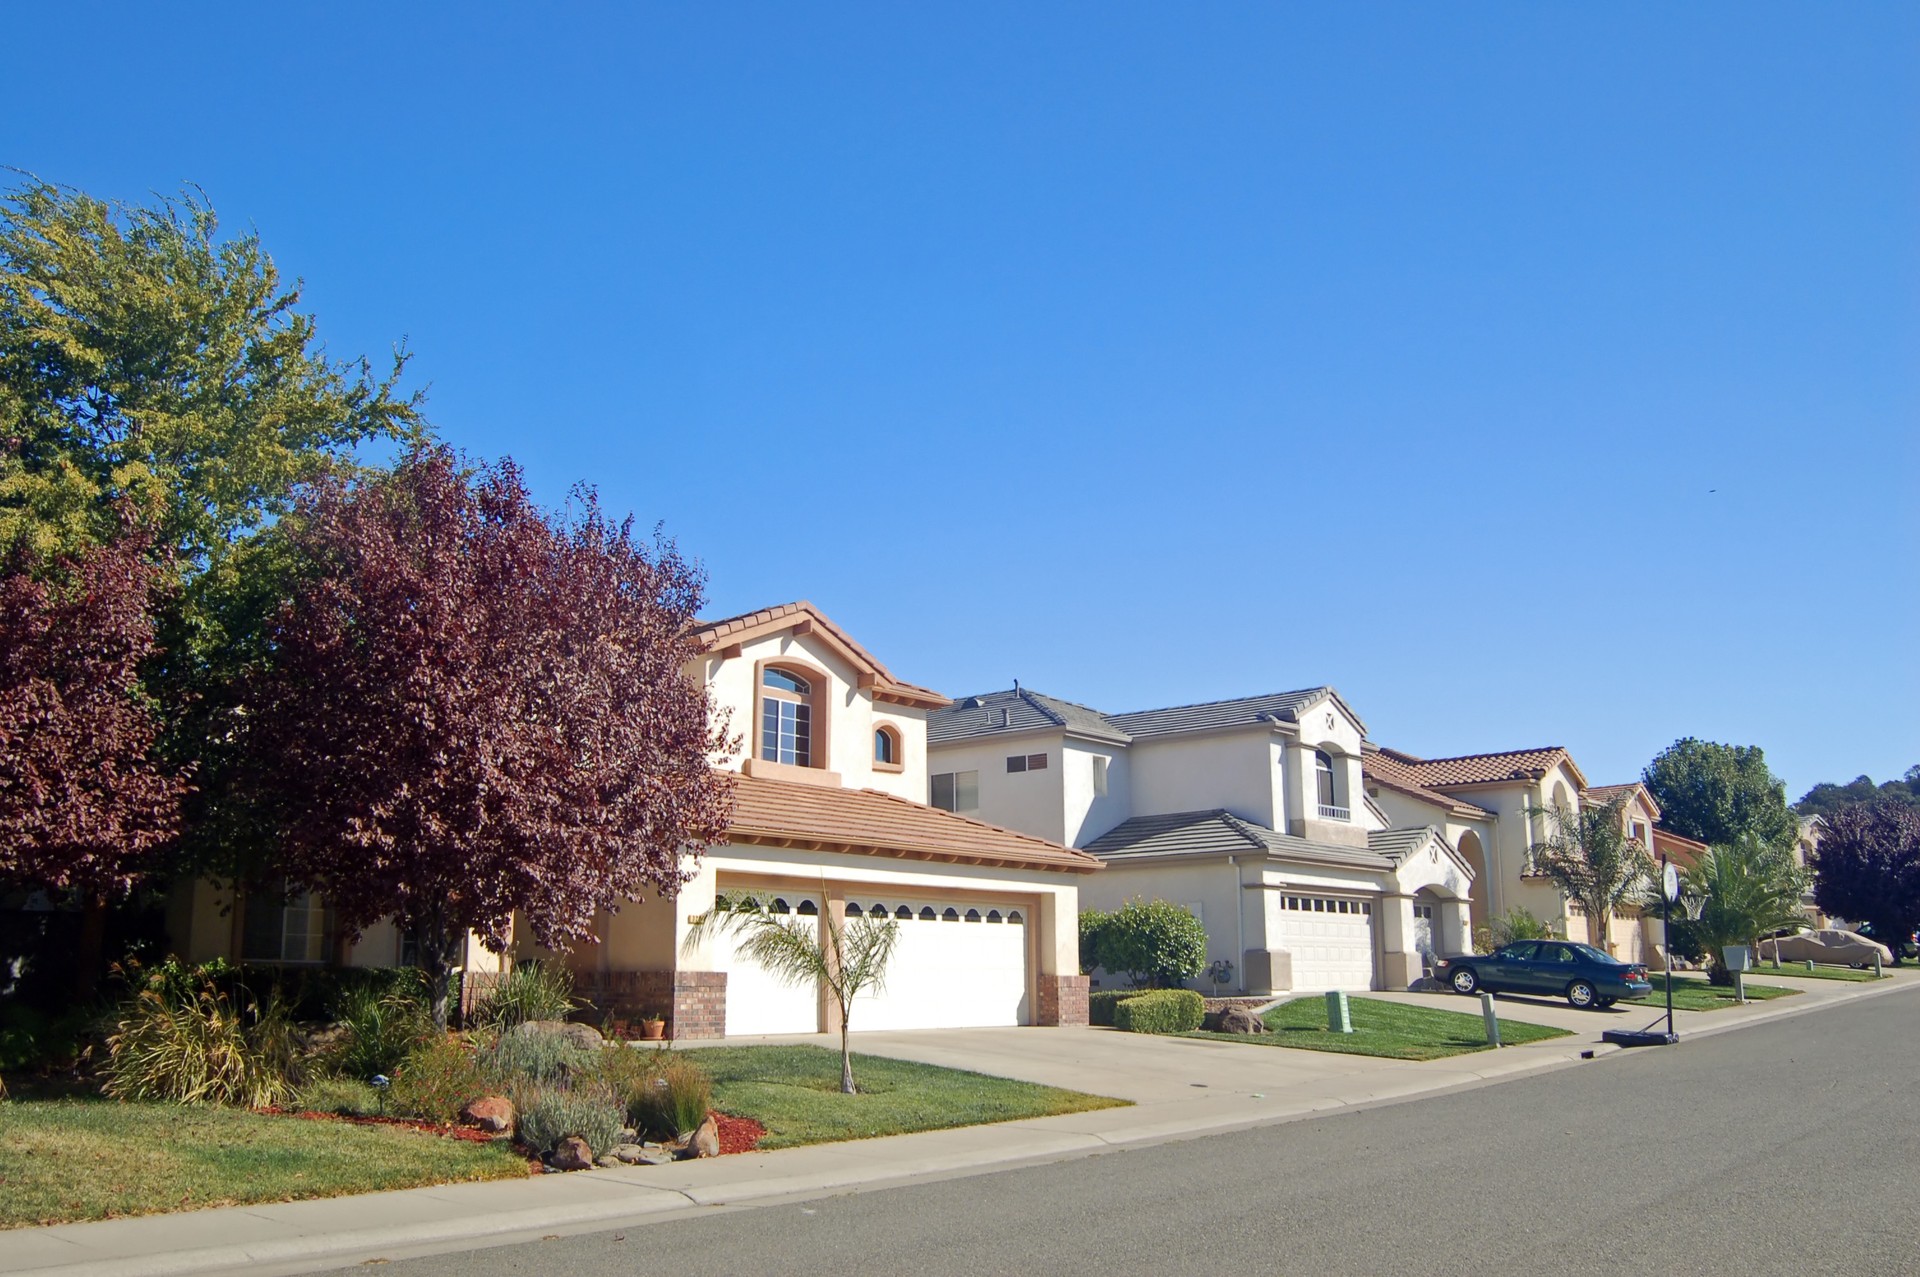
{"x":786,"y":718}
{"x":888,"y":753}
{"x":1327,"y":784}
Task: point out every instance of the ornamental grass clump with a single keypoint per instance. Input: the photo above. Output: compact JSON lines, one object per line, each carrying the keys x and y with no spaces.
{"x":380,"y":1027}
{"x":346,"y":1096}
{"x":536,"y":1057}
{"x":549,"y":1114}
{"x":200,"y":1046}
{"x":674,"y":1098}
{"x":533,"y":991}
{"x":435,"y":1081}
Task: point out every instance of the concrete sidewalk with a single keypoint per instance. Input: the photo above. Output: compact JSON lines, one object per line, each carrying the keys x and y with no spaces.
{"x":1180,"y":1088}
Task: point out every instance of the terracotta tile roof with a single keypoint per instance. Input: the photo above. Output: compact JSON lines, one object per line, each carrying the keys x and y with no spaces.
{"x":782,"y":813}
{"x":1386,"y":769}
{"x":751,"y":625}
{"x":1486,"y":769}
{"x":1683,"y":852}
{"x":1604,"y":794}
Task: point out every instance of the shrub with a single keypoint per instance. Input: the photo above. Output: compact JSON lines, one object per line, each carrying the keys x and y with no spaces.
{"x":1515,"y":924}
{"x":199,"y":1047}
{"x":435,"y":1081}
{"x":345,"y":1095}
{"x":1160,"y":1011}
{"x":31,"y":1039}
{"x":675,"y":1100}
{"x":548,"y":1114}
{"x":533,"y":991}
{"x":1155,"y":943}
{"x":1100,"y":1005}
{"x":380,"y":1027}
{"x":1093,"y":926}
{"x":537,"y":1057}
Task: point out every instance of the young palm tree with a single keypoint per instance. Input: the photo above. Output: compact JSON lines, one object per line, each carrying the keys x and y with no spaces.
{"x":1750,"y":888}
{"x":848,"y":956}
{"x":1594,"y":863}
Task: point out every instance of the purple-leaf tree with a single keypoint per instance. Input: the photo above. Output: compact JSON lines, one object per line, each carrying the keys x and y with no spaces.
{"x":473,"y":710}
{"x":1868,"y":868}
{"x":85,"y":807}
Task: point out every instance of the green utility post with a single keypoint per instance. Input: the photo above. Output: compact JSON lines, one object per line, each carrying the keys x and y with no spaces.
{"x":1339,"y":1014}
{"x":1492,"y":1019}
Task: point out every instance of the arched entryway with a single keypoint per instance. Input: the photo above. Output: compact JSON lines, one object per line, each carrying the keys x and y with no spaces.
{"x":1475,"y":855}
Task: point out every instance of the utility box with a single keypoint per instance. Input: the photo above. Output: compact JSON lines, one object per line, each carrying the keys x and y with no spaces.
{"x":1738,"y":957}
{"x":1339,"y":1014}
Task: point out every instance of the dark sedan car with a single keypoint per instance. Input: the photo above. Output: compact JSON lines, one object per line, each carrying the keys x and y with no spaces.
{"x":1580,"y":973}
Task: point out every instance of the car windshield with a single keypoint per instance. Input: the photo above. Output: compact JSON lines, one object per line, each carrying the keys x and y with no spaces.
{"x":1592,"y":954}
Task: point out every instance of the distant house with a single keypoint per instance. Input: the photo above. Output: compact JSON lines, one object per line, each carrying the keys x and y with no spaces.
{"x":1253,"y":813}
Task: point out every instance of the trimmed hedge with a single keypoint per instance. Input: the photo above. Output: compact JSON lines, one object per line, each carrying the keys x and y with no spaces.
{"x":1100,"y":1005}
{"x":1160,"y":1011}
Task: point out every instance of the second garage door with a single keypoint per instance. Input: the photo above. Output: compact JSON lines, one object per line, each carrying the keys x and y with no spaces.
{"x":1331,"y":941}
{"x":957,"y":964}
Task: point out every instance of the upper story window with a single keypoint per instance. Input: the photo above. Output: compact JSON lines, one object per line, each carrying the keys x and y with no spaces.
{"x":956,"y":792}
{"x":888,"y":753}
{"x":1327,"y":783}
{"x":786,"y":718}
{"x":1100,"y":762}
{"x":1026,"y":762}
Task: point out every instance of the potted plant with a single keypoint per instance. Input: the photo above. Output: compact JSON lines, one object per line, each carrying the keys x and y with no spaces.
{"x":653,"y":1027}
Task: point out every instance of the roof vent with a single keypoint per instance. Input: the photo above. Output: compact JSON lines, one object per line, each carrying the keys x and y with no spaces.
{"x":1006,"y":717}
{"x":972,"y":702}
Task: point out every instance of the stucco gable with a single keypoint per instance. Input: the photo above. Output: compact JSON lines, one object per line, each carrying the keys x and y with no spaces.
{"x":729,"y":636}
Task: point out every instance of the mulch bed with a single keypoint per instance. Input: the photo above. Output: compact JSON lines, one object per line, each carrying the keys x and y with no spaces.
{"x":738,"y":1134}
{"x":471,"y":1134}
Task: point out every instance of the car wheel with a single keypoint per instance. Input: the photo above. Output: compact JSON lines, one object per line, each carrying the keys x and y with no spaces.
{"x":1465,"y":981}
{"x":1581,"y":995}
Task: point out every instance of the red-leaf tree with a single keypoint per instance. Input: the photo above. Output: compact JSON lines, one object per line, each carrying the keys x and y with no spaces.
{"x":1868,"y":868}
{"x":473,"y":709}
{"x":84,"y":805}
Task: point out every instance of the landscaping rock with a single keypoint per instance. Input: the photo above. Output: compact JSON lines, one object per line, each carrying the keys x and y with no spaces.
{"x":584,"y":1036}
{"x":1237,"y":1020}
{"x":607,"y":1161}
{"x":704,"y":1142}
{"x":571,"y":1154}
{"x":630,"y":1154}
{"x":495,"y":1114}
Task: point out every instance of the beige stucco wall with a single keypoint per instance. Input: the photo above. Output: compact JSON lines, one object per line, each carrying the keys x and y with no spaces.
{"x":1237,"y":771}
{"x":1031,"y":802}
{"x":1088,"y":814}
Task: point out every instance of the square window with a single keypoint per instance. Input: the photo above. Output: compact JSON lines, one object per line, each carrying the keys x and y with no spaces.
{"x":1017,"y":763}
{"x":1036,"y":762}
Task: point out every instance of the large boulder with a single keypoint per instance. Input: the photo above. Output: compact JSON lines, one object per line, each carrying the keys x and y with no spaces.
{"x":584,"y":1036}
{"x":494,"y":1114}
{"x":571,"y":1154}
{"x":1236,"y":1019}
{"x":705,"y":1141}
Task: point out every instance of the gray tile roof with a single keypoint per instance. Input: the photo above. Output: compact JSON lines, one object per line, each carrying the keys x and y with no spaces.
{"x":1205,"y":833}
{"x":1242,"y":711}
{"x":1397,"y":844}
{"x":1018,"y":710}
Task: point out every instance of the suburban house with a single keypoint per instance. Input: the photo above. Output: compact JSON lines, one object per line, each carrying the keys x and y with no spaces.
{"x":830,"y":780}
{"x":1503,"y":800}
{"x":1252,"y":813}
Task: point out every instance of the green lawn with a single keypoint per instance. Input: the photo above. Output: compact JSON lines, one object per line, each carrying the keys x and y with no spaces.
{"x":1395,"y":1030}
{"x":1693,"y":993}
{"x":794,"y":1091}
{"x":1798,"y":970}
{"x":79,"y":1159}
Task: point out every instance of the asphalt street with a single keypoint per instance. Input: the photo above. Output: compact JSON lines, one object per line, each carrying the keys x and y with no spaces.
{"x":1792,"y":1146}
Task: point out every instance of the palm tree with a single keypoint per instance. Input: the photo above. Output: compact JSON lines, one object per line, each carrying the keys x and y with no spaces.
{"x":1750,"y":888}
{"x":1589,"y":856}
{"x":849,"y":957}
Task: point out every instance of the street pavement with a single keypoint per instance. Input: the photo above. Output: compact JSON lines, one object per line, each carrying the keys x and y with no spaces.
{"x":1792,"y":1146}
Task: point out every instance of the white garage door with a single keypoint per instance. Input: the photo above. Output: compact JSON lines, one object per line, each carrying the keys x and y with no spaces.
{"x":756,"y":1001}
{"x":957,"y":964}
{"x":1331,"y":940}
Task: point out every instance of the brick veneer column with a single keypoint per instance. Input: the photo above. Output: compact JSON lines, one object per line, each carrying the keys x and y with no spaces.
{"x":699,"y":1005}
{"x":1063,"y":1001}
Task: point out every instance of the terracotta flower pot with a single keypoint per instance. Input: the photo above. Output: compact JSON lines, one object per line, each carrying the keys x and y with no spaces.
{"x":653,"y":1030}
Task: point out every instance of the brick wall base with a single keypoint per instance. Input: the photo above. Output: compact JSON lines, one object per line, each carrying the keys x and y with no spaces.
{"x":1063,"y":1001}
{"x":694,"y":1003}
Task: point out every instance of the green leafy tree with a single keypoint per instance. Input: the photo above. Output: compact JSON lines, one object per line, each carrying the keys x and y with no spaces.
{"x":1515,"y":924}
{"x":1717,"y":794}
{"x":1155,"y":943}
{"x":847,"y":957}
{"x":1749,"y":888}
{"x":1826,"y":798}
{"x":148,"y":361}
{"x":1588,"y":855}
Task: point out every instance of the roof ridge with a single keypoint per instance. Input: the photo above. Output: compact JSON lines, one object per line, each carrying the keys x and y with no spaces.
{"x":1225,"y":700}
{"x":1492,"y":753}
{"x":1034,"y":698}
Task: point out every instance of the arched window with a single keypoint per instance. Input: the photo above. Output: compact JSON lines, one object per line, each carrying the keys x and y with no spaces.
{"x":951,"y":915}
{"x":1014,"y":917}
{"x":779,"y":906}
{"x":903,"y":913}
{"x":927,"y":914}
{"x":1327,"y":785}
{"x":878,"y":911}
{"x":786,"y":717}
{"x":993,"y":915}
{"x":973,"y":915}
{"x":808,"y":909}
{"x":887,"y":752}
{"x":853,"y":910}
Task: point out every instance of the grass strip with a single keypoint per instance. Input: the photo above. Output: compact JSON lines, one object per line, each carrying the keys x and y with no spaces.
{"x":1391,"y":1030}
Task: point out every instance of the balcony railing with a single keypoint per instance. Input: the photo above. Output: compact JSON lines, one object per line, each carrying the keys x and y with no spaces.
{"x":1330,"y":812}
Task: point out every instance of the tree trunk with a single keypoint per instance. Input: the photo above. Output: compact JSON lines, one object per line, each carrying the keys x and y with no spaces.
{"x":93,"y":947}
{"x":436,"y":961}
{"x":846,"y":1058}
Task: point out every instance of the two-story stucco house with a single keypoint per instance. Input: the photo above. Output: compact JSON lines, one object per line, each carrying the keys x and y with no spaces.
{"x":830,"y":782}
{"x":1251,"y":812}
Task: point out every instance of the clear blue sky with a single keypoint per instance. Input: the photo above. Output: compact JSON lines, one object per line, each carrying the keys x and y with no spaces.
{"x":1533,"y":373}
